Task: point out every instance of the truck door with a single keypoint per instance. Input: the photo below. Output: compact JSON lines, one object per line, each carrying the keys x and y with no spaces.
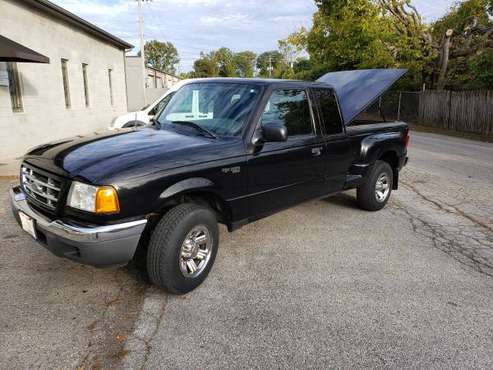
{"x":281,"y":174}
{"x":337,"y":155}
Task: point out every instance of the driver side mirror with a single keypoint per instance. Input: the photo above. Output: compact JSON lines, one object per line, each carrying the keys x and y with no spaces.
{"x":274,"y":132}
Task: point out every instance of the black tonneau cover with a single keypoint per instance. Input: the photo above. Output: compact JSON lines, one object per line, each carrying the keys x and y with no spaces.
{"x":358,"y":89}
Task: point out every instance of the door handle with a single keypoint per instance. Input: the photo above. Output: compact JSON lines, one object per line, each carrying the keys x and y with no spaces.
{"x":188,"y":115}
{"x":316,"y":151}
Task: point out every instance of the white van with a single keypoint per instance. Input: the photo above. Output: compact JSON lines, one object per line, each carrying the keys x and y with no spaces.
{"x":190,"y":110}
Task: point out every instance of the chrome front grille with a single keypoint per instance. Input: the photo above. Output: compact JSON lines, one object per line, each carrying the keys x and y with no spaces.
{"x":42,"y":188}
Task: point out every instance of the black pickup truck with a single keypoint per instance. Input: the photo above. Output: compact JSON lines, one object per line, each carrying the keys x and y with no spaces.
{"x":223,"y":150}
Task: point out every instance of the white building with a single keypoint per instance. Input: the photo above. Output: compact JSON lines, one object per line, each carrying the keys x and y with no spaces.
{"x":80,"y":90}
{"x":157,"y":83}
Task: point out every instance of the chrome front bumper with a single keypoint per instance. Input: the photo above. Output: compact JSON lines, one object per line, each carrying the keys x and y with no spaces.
{"x":93,"y":245}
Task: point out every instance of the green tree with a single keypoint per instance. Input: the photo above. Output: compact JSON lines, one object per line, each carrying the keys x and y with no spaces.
{"x":460,"y":17}
{"x":467,"y":45}
{"x":162,"y":55}
{"x":269,"y":62}
{"x":351,"y":34}
{"x":224,"y":63}
{"x":244,"y":62}
{"x":481,"y":66}
{"x":205,"y":66}
{"x":224,"y":60}
{"x":348,"y":34}
{"x":447,"y":45}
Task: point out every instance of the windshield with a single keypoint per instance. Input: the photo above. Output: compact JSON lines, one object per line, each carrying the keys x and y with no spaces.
{"x":219,"y":108}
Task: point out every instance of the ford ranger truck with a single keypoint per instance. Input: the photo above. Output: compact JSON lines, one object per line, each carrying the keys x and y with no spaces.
{"x":255,"y":147}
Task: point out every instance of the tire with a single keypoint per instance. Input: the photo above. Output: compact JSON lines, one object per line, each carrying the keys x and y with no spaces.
{"x":367,"y":195}
{"x":177,"y":238}
{"x":134,"y":123}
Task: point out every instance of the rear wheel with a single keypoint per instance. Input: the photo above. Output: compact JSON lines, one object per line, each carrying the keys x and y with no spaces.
{"x":374,"y":194}
{"x":183,"y":248}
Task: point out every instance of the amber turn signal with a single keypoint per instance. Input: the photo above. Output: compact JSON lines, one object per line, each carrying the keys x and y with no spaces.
{"x":107,"y":200}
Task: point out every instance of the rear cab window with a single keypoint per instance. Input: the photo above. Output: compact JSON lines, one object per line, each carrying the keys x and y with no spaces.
{"x":327,"y":110}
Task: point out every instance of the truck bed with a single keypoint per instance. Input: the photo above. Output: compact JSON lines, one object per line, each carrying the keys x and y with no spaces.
{"x":363,"y":127}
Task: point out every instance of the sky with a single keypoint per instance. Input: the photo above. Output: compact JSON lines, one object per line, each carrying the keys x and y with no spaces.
{"x":204,"y":25}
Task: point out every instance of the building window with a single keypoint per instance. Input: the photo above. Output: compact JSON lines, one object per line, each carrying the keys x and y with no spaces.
{"x":66,"y":89}
{"x":14,"y":87}
{"x":110,"y":85}
{"x":86,"y":87}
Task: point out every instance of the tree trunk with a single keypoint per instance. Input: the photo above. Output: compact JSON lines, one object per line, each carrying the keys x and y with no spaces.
{"x":444,"y":59}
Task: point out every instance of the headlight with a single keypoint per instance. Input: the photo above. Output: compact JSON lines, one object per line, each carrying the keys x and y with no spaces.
{"x":97,"y":199}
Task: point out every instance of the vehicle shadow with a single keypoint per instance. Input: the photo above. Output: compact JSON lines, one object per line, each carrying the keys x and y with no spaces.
{"x":342,"y":199}
{"x":137,"y":267}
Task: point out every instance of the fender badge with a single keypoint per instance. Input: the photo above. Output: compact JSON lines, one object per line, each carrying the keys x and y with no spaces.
{"x":232,"y":170}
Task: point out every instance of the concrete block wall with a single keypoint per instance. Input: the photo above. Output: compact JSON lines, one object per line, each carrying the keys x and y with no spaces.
{"x":135,"y":85}
{"x":45,"y":117}
{"x":137,"y":97}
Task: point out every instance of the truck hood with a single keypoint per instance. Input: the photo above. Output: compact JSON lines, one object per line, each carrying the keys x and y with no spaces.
{"x":356,"y":90}
{"x":103,"y":156}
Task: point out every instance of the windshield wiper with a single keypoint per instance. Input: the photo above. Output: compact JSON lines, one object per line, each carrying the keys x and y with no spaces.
{"x":196,"y":127}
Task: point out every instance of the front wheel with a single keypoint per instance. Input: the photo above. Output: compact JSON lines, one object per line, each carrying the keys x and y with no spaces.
{"x":374,"y":194}
{"x":182,"y":248}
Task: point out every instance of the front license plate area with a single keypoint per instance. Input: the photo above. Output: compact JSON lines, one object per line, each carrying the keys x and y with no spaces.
{"x":27,"y":224}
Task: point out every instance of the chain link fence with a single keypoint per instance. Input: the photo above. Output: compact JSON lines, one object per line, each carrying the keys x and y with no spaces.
{"x":394,"y":106}
{"x":408,"y":107}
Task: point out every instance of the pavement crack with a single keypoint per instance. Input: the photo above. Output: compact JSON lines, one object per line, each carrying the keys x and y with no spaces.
{"x":449,"y":243}
{"x":445,"y":209}
{"x":139,"y":344}
{"x":147,"y":342}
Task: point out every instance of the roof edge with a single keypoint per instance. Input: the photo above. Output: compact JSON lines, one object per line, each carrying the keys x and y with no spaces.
{"x":59,"y":12}
{"x":154,"y":68}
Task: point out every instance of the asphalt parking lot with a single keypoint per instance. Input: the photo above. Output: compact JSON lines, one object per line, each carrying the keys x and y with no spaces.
{"x":321,"y":285}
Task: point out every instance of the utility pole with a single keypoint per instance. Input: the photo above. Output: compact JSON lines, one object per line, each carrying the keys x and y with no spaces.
{"x":142,"y":46}
{"x":270,"y":66}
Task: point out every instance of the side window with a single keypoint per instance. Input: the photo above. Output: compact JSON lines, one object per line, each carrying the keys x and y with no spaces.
{"x":328,"y":111}
{"x":289,"y":107}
